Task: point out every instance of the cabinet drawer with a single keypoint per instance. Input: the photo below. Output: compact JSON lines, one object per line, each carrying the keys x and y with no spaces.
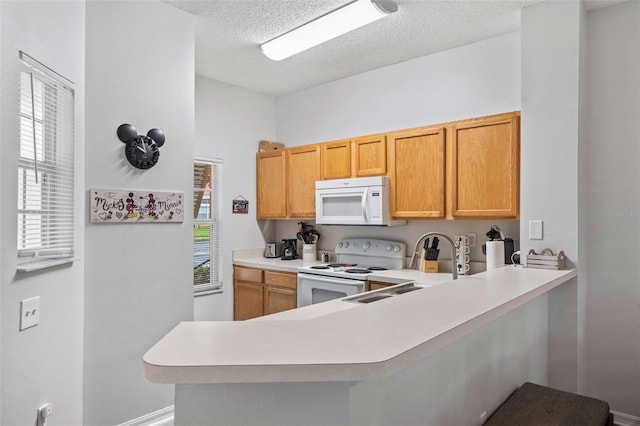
{"x":247,"y":274}
{"x":376,"y":285}
{"x":281,"y":279}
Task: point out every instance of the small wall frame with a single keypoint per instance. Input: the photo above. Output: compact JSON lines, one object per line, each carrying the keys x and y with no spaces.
{"x":240,"y":205}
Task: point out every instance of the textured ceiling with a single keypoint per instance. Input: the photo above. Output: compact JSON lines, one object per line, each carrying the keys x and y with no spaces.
{"x":229,"y":32}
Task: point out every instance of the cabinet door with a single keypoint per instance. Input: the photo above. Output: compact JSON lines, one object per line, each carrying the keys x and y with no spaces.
{"x":370,"y":155}
{"x":417,"y":172}
{"x":271,"y":180}
{"x":336,"y":159}
{"x":278,"y":299}
{"x":485,"y":167}
{"x":304,"y":171}
{"x":248,"y":300}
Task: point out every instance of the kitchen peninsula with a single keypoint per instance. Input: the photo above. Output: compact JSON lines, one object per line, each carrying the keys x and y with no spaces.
{"x":439,"y":355}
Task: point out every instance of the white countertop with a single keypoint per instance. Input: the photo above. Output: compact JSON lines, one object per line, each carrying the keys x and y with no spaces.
{"x":342,"y":341}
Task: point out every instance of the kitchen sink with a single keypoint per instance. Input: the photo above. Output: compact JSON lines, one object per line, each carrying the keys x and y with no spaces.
{"x":373,"y":298}
{"x":382,"y":294}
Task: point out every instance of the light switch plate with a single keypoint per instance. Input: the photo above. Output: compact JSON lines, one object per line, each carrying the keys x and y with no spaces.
{"x":535,"y":230}
{"x":29,"y":312}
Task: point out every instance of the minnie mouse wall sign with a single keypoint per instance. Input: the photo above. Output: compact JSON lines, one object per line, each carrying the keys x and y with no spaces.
{"x":127,"y":206}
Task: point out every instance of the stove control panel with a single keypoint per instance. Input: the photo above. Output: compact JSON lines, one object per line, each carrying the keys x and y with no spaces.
{"x":372,"y":247}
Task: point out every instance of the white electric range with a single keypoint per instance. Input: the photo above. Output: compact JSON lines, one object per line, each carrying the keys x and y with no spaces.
{"x":356,"y":259}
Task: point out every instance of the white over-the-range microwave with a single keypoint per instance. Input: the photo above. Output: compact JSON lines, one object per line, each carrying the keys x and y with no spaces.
{"x":358,"y":201}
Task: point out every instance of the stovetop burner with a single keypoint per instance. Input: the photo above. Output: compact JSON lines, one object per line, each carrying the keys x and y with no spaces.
{"x":321,"y":267}
{"x":356,"y":271}
{"x":377,"y":268}
{"x":341,"y":265}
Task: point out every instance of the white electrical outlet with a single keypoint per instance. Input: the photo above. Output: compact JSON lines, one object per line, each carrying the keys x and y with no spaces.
{"x":29,"y":312}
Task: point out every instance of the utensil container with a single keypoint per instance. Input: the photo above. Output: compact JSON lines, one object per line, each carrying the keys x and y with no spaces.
{"x":309,"y":252}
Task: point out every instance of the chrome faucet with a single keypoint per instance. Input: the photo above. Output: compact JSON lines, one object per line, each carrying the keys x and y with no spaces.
{"x":416,"y":252}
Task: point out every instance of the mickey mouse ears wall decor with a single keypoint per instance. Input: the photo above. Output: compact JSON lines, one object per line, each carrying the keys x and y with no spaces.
{"x":141,"y":151}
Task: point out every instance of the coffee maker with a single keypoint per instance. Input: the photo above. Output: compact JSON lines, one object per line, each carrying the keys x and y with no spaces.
{"x":289,"y":249}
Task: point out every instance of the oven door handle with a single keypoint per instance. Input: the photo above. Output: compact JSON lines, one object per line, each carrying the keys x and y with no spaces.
{"x":324,"y":279}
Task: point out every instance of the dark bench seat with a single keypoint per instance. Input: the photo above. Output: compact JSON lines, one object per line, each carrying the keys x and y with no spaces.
{"x":535,"y":405}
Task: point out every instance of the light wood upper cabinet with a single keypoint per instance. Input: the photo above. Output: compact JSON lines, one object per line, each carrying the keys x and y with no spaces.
{"x":271,"y":181}
{"x":485,"y":167}
{"x":417,"y":172}
{"x":458,"y":170}
{"x":336,"y":159}
{"x":304,"y":171}
{"x":370,"y":155}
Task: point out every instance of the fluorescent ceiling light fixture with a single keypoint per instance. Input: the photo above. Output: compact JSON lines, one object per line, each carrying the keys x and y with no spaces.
{"x":340,"y":21}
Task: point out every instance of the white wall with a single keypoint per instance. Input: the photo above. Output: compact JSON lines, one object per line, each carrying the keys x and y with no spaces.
{"x":551,"y":33}
{"x":470,"y":81}
{"x":474,"y":80}
{"x":230,"y":121}
{"x":138,"y":281}
{"x":612,"y":329}
{"x":43,"y":363}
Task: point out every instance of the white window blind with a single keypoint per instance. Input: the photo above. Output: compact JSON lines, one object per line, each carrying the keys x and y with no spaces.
{"x":45,"y":168}
{"x":207,"y":238}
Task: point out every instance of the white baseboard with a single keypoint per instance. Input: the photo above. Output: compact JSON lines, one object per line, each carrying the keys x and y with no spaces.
{"x":162,"y":417}
{"x":623,"y":419}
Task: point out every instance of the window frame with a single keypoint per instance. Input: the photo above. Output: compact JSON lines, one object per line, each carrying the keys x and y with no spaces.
{"x":53,"y":165}
{"x":215,"y":223}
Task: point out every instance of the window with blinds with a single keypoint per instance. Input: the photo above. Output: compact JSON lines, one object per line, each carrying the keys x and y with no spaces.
{"x":207,"y":239}
{"x":45,"y":168}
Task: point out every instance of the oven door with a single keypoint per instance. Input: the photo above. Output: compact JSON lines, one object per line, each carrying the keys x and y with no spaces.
{"x":316,"y":289}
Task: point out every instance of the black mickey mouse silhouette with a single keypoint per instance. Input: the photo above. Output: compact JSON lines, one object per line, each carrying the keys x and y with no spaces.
{"x":141,"y":151}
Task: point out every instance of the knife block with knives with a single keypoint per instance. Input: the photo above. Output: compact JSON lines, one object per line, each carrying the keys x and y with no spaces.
{"x":429,"y":256}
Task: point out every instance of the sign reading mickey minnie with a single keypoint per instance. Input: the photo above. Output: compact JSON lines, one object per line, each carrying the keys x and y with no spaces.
{"x":122,"y":206}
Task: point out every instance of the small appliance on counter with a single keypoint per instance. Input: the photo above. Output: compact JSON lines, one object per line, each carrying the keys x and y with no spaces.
{"x":289,"y":249}
{"x":273,"y":250}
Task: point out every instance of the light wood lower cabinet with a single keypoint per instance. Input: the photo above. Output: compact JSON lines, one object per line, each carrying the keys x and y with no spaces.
{"x":248,"y":300}
{"x":376,"y":285}
{"x":260,"y":292}
{"x":278,"y":299}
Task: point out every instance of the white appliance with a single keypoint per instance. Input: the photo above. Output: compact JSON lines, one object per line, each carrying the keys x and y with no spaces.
{"x":358,"y":201}
{"x":356,"y":259}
